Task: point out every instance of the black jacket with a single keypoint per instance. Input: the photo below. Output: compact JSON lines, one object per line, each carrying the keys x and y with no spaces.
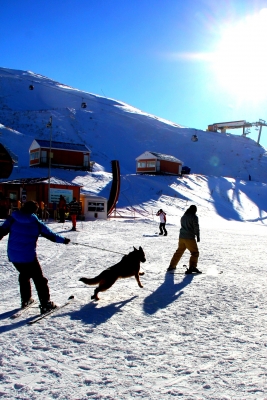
{"x":189,"y":226}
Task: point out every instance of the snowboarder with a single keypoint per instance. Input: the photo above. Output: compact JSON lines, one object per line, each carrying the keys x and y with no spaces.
{"x":24,"y":228}
{"x":74,"y":208}
{"x":162,"y":216}
{"x":189,"y":230}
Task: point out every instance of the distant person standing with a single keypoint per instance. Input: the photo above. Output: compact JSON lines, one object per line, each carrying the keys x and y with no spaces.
{"x":46,"y":213}
{"x":188,"y":232}
{"x":74,"y":208}
{"x":55,"y":210}
{"x":162,"y":216}
{"x":41,"y":211}
{"x":62,"y":208}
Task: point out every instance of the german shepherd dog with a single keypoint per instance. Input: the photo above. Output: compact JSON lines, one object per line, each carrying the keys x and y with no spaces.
{"x":128,"y":266}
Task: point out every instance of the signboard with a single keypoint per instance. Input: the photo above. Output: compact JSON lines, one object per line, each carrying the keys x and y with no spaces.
{"x":56,"y":193}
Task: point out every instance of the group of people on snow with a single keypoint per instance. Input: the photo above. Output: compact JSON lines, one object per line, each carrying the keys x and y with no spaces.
{"x":73,"y":207}
{"x":24,"y":228}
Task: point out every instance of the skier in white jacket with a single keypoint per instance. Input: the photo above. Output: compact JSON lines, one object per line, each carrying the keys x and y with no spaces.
{"x":162,"y":216}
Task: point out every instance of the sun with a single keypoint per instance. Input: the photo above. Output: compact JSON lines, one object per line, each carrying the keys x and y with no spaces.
{"x":240,"y":61}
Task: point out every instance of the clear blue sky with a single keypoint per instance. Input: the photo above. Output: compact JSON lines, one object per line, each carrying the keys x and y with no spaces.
{"x":194,"y":62}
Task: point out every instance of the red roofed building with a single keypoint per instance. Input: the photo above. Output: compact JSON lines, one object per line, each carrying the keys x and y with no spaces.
{"x":63,"y":155}
{"x":151,"y":162}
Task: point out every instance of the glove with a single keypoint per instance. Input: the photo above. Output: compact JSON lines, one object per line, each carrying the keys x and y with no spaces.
{"x":66,"y":241}
{"x":198,"y":239}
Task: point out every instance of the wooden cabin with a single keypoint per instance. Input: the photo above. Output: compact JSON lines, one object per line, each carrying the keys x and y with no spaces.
{"x":63,"y":155}
{"x":151,"y":162}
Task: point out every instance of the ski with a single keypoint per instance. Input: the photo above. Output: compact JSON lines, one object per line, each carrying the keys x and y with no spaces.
{"x":194,"y":273}
{"x":17,"y":314}
{"x":183,"y":273}
{"x":42,"y":316}
{"x":151,"y":235}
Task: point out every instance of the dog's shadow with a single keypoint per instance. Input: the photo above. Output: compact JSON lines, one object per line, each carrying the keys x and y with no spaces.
{"x":165,"y":294}
{"x":95,"y":314}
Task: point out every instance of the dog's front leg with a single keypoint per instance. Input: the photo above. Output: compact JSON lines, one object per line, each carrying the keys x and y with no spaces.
{"x":138,"y":280}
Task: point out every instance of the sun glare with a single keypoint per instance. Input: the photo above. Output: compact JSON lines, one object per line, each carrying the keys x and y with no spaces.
{"x":240,"y":62}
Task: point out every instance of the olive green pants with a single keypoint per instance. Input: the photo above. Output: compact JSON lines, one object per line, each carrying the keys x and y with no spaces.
{"x":183,"y":244}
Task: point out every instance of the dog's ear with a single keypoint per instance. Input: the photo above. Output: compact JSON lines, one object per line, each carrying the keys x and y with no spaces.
{"x":140,"y":249}
{"x":135,"y":249}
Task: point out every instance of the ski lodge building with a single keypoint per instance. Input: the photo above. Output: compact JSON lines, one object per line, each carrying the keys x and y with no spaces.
{"x":63,"y":155}
{"x":151,"y":162}
{"x":37,"y":189}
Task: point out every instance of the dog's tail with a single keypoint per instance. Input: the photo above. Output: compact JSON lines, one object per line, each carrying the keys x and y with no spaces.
{"x":93,"y":281}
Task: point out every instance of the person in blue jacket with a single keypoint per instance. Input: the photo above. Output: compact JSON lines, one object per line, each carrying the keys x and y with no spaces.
{"x":24,"y":228}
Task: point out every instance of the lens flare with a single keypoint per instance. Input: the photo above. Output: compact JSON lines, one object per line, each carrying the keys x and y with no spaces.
{"x":240,"y":62}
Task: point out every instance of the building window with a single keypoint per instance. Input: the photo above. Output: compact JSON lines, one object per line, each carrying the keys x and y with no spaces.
{"x":43,"y":157}
{"x":13,"y":196}
{"x":100,"y":207}
{"x":151,"y":164}
{"x":86,"y":160}
{"x":141,"y":164}
{"x":35,"y":155}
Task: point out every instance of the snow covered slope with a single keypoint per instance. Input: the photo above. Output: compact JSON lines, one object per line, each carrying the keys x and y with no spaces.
{"x":114,"y":130}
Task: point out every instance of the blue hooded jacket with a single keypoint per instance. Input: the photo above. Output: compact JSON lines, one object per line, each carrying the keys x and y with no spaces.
{"x":24,"y":230}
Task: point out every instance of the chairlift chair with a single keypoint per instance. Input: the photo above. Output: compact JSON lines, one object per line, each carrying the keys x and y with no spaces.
{"x":194,"y":138}
{"x":83,"y":105}
{"x":31,"y":87}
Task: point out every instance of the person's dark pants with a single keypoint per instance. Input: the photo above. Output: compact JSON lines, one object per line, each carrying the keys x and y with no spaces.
{"x":32,"y":270}
{"x":162,"y":228}
{"x":61,"y":215}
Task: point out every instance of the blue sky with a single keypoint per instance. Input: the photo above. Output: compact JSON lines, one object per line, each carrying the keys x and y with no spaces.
{"x":194,"y":62}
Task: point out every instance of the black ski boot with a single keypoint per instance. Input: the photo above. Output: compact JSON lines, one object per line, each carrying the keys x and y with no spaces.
{"x":44,"y":308}
{"x":192,"y":270}
{"x":26,"y":303}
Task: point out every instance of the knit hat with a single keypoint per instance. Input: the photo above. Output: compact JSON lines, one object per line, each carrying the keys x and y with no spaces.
{"x":30,"y":207}
{"x":191,"y":210}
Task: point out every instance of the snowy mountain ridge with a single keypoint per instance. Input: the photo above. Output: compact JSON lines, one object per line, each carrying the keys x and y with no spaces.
{"x":115,"y":130}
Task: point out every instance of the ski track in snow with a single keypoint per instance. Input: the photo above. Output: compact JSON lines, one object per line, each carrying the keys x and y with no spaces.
{"x":192,"y":337}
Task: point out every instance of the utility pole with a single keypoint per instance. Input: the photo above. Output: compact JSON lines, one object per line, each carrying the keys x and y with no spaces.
{"x":259,"y":136}
{"x":49,"y":125}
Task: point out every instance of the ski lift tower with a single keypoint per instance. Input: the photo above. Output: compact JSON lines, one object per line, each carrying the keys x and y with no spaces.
{"x":222,"y":126}
{"x":261,"y":123}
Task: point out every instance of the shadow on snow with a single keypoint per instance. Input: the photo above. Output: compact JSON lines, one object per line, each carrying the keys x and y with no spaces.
{"x":95,"y":314}
{"x":166,"y":294}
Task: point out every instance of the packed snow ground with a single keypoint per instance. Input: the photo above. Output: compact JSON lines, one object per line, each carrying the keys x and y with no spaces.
{"x":192,"y":337}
